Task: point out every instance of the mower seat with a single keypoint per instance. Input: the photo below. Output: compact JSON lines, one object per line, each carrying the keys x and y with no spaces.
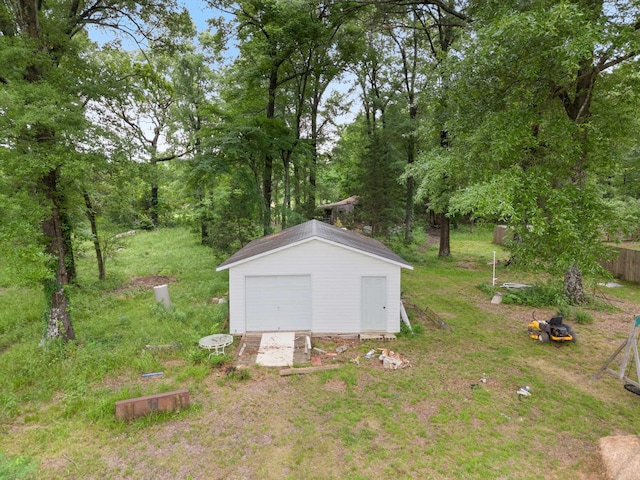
{"x":555,"y":321}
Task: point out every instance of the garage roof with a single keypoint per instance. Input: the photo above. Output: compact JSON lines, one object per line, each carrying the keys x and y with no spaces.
{"x":313,"y":230}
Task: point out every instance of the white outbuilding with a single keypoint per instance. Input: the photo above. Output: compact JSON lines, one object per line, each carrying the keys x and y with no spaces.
{"x":317,"y":278}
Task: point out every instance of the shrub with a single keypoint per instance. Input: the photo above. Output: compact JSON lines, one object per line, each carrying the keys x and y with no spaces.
{"x":582,"y":317}
{"x":565,"y":310}
{"x":538,"y":295}
{"x":488,"y":290}
{"x":196,"y":355}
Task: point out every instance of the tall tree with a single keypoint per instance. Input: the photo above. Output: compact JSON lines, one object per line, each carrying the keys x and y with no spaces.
{"x":380,"y":161}
{"x":289,"y":52}
{"x":42,"y":76}
{"x":419,"y":36}
{"x":533,"y":117}
{"x":193,"y":110}
{"x":267,"y":31}
{"x":404,"y":23}
{"x":145,"y":112}
{"x":331,"y":46}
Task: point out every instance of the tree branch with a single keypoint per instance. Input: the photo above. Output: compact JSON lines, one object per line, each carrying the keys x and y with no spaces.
{"x":415,"y":3}
{"x":173,"y":156}
{"x":603,"y":64}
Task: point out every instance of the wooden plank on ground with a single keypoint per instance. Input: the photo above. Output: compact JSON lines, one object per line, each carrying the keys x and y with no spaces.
{"x":294,"y":371}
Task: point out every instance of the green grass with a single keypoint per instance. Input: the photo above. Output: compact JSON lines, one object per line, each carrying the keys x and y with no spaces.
{"x":114,"y":320}
{"x":434,"y":419}
{"x":17,"y":468}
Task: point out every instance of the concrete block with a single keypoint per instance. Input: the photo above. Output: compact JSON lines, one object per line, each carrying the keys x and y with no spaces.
{"x":371,"y":336}
{"x":161,"y":402}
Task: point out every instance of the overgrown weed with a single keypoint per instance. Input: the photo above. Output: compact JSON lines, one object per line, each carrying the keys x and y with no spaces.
{"x":20,"y":467}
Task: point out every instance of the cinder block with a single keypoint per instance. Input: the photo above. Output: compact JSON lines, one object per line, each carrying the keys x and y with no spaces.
{"x":371,"y":336}
{"x":161,"y":402}
{"x":390,"y":336}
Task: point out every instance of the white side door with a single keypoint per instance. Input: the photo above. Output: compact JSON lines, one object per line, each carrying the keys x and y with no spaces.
{"x":374,"y":304}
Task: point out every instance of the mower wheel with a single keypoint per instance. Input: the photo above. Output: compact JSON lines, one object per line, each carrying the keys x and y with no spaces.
{"x":632,"y":388}
{"x":543,"y":337}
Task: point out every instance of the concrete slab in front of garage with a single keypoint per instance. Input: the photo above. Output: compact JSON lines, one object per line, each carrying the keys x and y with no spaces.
{"x":251,"y":348}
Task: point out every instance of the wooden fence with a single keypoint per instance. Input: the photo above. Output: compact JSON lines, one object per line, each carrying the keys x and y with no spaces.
{"x":626,"y":265}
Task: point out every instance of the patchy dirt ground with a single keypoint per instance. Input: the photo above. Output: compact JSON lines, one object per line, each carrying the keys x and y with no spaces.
{"x":607,"y":332}
{"x":319,"y":426}
{"x":144,"y":283}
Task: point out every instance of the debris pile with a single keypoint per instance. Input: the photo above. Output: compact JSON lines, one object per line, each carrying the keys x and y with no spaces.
{"x":347,"y":351}
{"x":393,"y":360}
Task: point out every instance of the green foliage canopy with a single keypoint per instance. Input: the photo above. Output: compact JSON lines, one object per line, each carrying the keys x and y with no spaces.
{"x":530,"y":138}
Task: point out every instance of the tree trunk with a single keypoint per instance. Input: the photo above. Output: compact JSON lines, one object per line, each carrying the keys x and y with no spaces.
{"x":297,"y":180}
{"x":411,"y":155}
{"x":205,"y":206}
{"x":433,"y":219}
{"x":91,"y":214}
{"x":59,"y":320}
{"x":313,"y":168}
{"x":408,"y":213}
{"x":204,"y":217}
{"x":286,"y":202}
{"x":445,"y":248}
{"x":154,"y":205}
{"x":69,"y":258}
{"x":311,"y":195}
{"x":573,"y":286}
{"x":267,"y":177}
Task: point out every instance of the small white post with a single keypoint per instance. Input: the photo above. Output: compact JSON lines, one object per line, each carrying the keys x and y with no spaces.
{"x":493,"y":279}
{"x":161,"y":293}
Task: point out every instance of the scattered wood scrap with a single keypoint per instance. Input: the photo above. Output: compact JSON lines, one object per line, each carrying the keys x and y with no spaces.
{"x":295,"y":371}
{"x":393,"y":360}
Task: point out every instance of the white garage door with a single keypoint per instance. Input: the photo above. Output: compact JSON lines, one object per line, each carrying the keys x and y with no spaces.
{"x":278,"y":303}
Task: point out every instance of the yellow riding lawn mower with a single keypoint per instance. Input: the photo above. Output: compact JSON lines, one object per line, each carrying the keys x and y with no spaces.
{"x":553,"y":329}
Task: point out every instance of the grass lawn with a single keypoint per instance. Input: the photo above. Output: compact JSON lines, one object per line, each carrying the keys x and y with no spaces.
{"x":433,"y":420}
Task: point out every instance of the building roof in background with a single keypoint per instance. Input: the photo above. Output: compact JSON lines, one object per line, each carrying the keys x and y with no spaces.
{"x":346,"y":201}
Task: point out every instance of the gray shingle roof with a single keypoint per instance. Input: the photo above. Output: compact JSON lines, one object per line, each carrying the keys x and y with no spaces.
{"x":313,"y":229}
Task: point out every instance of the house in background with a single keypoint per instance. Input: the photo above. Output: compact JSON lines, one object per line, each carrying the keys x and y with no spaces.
{"x":342,"y":210}
{"x":317,"y":278}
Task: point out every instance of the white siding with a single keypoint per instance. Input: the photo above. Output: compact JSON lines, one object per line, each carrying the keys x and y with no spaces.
{"x":336,"y":275}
